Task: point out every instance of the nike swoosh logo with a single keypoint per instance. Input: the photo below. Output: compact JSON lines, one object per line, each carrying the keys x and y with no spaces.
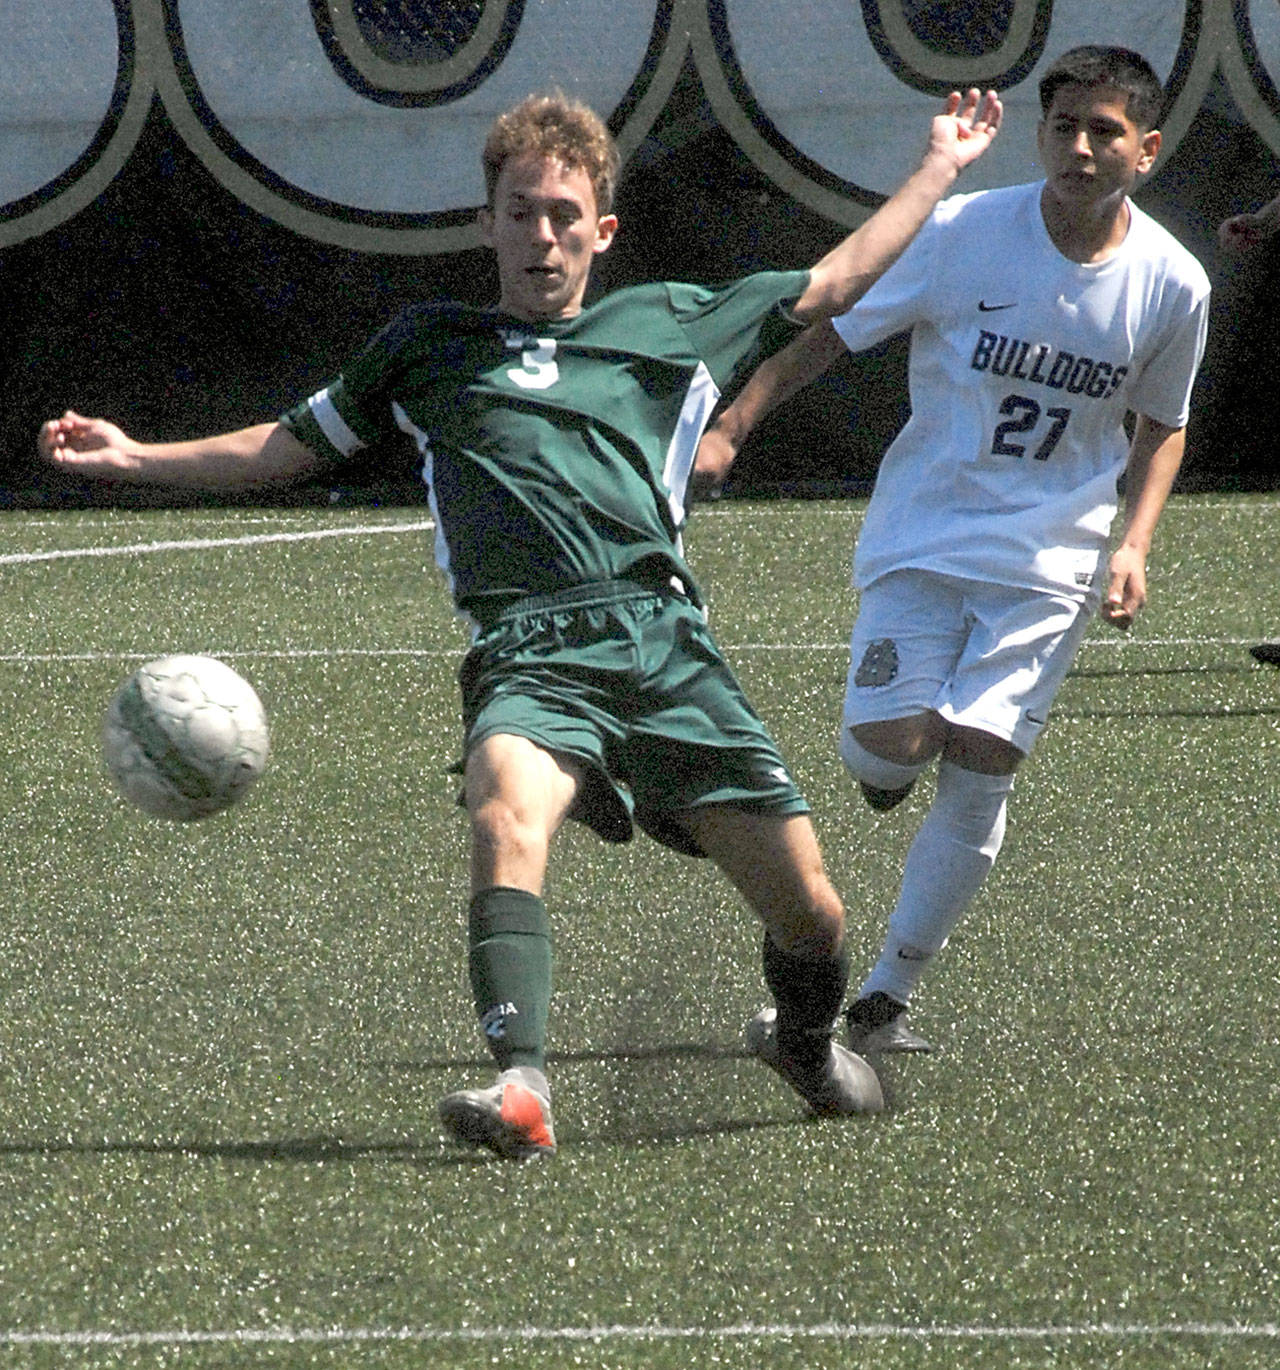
{"x":986,"y":308}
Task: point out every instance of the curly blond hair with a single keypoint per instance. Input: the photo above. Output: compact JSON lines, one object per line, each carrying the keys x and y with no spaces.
{"x":554,"y":126}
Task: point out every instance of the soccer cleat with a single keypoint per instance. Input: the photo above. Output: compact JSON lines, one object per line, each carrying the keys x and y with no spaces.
{"x":1266,"y":652}
{"x":842,"y":1084}
{"x":884,"y":800}
{"x":878,"y":1026}
{"x":509,"y":1118}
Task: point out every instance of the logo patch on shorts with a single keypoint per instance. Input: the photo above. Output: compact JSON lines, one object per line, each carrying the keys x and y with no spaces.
{"x":879,"y":664}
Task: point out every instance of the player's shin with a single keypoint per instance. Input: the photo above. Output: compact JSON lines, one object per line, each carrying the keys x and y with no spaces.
{"x":509,"y":938}
{"x":952,"y":853}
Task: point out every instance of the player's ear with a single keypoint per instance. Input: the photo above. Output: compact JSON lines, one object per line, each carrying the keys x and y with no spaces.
{"x":606,"y":227}
{"x":1150,"y":150}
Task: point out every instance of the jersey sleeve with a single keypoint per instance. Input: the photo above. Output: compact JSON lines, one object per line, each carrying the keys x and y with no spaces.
{"x":899,"y":299}
{"x":354,"y":411}
{"x":738,"y":323}
{"x":1163,"y":390}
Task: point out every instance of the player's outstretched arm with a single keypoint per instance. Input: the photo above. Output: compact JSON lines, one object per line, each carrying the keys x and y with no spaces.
{"x":264,"y":454}
{"x":1154,"y":458}
{"x":957,"y":137}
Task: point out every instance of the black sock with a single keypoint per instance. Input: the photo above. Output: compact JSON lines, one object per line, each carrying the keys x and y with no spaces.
{"x":509,"y":938}
{"x":808,"y":993}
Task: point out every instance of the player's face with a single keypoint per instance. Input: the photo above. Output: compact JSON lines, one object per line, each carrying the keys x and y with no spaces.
{"x":1091,"y":150}
{"x":545,"y":231}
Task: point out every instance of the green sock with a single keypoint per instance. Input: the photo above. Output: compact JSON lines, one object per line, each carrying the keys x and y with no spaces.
{"x":509,"y":938}
{"x":808,"y":994}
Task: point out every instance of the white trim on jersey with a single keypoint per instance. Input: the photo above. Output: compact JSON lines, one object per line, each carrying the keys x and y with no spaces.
{"x":423,"y":443}
{"x":700,"y":400}
{"x":332,"y":424}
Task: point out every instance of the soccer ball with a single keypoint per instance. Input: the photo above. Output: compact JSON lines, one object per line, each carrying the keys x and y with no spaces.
{"x":185,"y":737}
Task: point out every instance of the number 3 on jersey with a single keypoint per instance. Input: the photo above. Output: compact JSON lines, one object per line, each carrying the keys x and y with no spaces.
{"x":1024,"y":416}
{"x":538,"y":369}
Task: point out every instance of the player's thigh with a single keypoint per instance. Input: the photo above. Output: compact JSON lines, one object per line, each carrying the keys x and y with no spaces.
{"x":523,"y":680}
{"x":1020,"y":650}
{"x":775,"y":863}
{"x":910,"y":632}
{"x":518,"y":795}
{"x":536,"y":785}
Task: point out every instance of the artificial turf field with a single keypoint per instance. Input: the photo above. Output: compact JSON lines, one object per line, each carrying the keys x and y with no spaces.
{"x":222,"y":1045}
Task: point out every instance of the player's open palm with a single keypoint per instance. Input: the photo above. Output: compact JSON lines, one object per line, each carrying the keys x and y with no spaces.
{"x":966,"y":128}
{"x":87,"y":445}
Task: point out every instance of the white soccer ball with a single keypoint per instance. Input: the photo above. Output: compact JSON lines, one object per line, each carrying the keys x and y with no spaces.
{"x":185,"y":737}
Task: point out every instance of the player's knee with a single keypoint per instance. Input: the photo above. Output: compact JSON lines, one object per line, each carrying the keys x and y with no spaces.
{"x":815,"y":929}
{"x":884,"y":783}
{"x":505,"y":835}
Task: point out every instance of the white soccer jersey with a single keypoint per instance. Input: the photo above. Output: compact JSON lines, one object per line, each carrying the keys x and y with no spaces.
{"x":1023,"y":365}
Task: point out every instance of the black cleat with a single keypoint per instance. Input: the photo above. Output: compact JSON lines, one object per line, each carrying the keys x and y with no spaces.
{"x":884,"y":800}
{"x":878,"y":1027}
{"x":841,"y":1084}
{"x":1266,"y":652}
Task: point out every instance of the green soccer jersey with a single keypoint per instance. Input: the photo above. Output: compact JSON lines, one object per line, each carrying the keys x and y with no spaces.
{"x":556,"y":453}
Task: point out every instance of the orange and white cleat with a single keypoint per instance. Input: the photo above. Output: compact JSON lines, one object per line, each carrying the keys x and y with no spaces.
{"x":508,"y":1118}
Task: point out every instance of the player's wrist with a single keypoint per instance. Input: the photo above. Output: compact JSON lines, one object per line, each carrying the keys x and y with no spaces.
{"x":937,"y":173}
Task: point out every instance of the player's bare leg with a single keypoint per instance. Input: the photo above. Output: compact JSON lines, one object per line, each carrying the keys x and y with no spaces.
{"x":775,"y":863}
{"x":518,"y":796}
{"x":889,"y":755}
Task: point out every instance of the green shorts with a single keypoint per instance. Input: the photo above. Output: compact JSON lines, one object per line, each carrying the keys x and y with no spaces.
{"x":628,"y":682}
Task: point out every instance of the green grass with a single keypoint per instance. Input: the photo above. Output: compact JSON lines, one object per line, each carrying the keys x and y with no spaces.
{"x":223,"y":1044}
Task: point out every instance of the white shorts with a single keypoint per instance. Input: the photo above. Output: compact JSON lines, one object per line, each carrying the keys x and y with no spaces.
{"x":982,"y":655}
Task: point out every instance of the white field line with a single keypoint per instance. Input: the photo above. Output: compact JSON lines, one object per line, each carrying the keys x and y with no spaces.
{"x":1226,"y":1331}
{"x":246,"y":654}
{"x":428,"y":653}
{"x":204,"y":544}
{"x":416,"y":526}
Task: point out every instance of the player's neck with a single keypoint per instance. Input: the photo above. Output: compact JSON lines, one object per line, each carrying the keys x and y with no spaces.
{"x":1086,"y":235}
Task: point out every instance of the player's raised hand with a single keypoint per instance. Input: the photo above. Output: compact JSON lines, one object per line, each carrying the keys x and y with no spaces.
{"x":1244,"y":232}
{"x":88,"y":446}
{"x":966,"y":127}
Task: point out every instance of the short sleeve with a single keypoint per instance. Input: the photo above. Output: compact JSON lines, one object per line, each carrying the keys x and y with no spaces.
{"x":728,"y":326}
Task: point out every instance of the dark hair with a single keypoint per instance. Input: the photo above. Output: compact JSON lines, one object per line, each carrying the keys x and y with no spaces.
{"x":557,"y":127}
{"x":1121,"y":68}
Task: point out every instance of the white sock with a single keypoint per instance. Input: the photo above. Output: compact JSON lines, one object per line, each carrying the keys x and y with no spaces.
{"x":948,"y":861}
